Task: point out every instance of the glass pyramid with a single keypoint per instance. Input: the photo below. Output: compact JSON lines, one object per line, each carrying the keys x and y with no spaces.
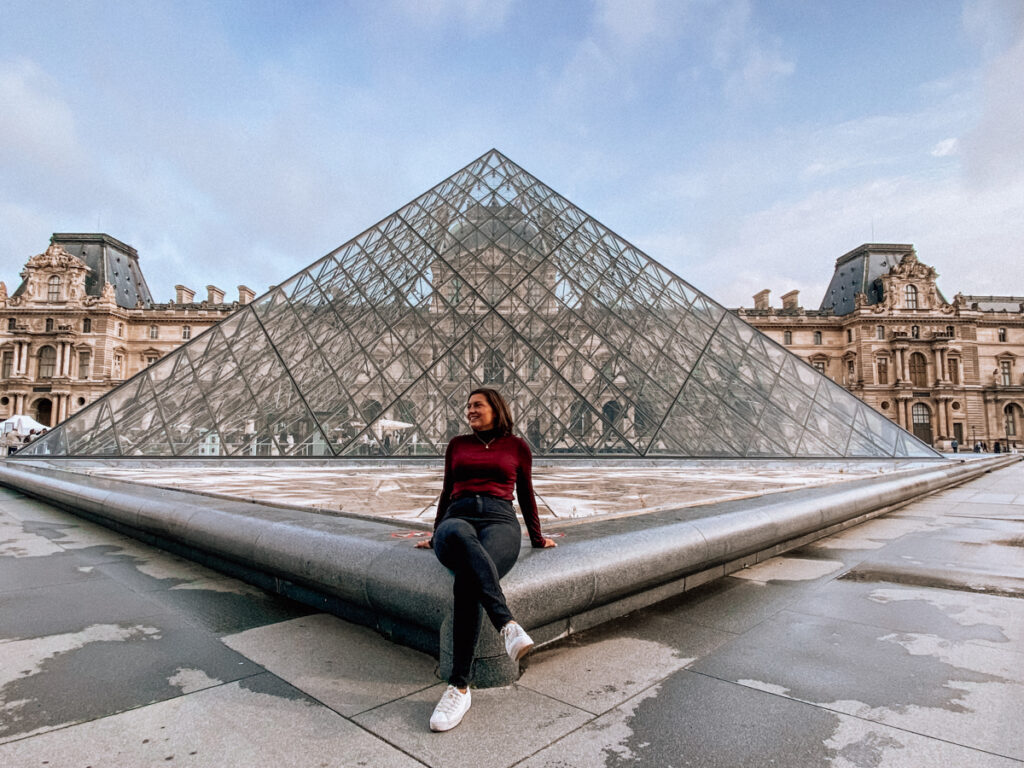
{"x":490,"y":278}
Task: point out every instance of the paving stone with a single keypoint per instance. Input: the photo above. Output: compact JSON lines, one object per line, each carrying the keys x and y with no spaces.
{"x":260,"y":721}
{"x":693,"y":720}
{"x":949,"y":689}
{"x":601,"y":668}
{"x":503,"y":726}
{"x":50,"y":681}
{"x":349,"y":668}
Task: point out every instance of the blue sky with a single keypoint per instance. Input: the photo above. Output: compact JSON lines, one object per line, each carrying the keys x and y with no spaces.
{"x":743,"y":144}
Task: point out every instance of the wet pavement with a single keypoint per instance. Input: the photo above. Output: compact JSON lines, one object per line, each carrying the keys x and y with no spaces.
{"x":564,"y":492}
{"x":899,"y":642}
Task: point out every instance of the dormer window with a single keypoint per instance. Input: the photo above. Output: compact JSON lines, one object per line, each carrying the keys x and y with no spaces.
{"x":53,"y":288}
{"x":910,"y":296}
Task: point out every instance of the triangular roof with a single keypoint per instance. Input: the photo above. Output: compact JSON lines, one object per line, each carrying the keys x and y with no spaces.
{"x":489,"y":278}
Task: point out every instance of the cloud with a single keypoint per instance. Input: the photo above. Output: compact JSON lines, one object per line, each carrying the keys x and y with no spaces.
{"x":945,"y":148}
{"x":37,"y":125}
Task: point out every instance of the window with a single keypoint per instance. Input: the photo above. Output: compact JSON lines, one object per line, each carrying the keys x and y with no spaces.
{"x":120,"y":329}
{"x":849,"y":335}
{"x":53,"y":288}
{"x":47,"y":362}
{"x":579,"y":419}
{"x":817,"y":337}
{"x":7,"y":366}
{"x":1002,"y":334}
{"x":954,"y":370}
{"x":117,"y":370}
{"x":950,"y":332}
{"x":787,"y":337}
{"x":915,"y":331}
{"x":150,"y":359}
{"x":49,"y":325}
{"x":1011,"y":420}
{"x":494,"y":368}
{"x":533,"y":368}
{"x":1005,"y":368}
{"x":819,"y":366}
{"x":921,"y":414}
{"x":918,"y":370}
{"x":12,"y":324}
{"x":84,"y":359}
{"x":851,"y":373}
{"x":910,"y":296}
{"x":880,"y":332}
{"x":154,"y":332}
{"x":883,"y":370}
{"x":87,"y":325}
{"x":186,"y":332}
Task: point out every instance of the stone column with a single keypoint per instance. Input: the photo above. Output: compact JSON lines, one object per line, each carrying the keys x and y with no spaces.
{"x":906,"y":365}
{"x":939,"y":373}
{"x":949,"y":415}
{"x":940,"y":413}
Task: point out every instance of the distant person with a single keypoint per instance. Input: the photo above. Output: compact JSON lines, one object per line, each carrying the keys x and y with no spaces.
{"x":998,"y":448}
{"x":955,"y":445}
{"x":477,"y":537}
{"x":977,"y":447}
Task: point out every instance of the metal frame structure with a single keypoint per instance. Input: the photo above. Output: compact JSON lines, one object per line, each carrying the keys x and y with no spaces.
{"x":491,"y":278}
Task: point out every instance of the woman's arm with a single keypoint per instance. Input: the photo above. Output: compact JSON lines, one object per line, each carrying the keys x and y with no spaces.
{"x":526,"y":498}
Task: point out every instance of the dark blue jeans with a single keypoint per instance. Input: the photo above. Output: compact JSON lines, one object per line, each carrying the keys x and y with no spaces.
{"x":478,"y":540}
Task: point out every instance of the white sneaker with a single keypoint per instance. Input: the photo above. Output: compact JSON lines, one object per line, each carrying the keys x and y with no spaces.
{"x":517,"y":642}
{"x":448,"y":713}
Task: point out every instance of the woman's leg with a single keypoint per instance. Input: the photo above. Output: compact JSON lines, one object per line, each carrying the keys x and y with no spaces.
{"x":478,"y":561}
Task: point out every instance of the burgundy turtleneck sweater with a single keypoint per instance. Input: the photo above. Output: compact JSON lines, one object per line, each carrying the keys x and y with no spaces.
{"x":494,"y":466}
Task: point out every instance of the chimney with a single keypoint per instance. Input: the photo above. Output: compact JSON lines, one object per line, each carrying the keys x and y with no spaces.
{"x":183,"y":295}
{"x":214,"y":295}
{"x":245,"y":295}
{"x":791,"y":300}
{"x":761,"y":299}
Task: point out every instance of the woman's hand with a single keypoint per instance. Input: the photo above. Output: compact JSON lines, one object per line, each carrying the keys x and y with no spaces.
{"x":425,"y":544}
{"x":548,"y":543}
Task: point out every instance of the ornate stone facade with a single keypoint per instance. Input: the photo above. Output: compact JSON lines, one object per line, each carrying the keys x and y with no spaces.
{"x":940,"y":369}
{"x":65,"y":340}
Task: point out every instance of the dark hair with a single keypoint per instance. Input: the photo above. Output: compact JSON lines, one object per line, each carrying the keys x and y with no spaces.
{"x":502,"y":417}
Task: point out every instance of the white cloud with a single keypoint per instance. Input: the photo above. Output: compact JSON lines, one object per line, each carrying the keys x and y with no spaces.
{"x":945,"y":148}
{"x":36,"y":125}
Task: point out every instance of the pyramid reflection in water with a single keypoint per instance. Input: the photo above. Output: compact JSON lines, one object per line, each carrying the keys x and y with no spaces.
{"x":490,"y":278}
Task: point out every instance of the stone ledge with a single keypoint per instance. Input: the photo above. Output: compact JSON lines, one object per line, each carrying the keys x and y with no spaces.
{"x":358,"y":570}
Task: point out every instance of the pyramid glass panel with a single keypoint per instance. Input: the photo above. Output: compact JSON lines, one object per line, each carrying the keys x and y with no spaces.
{"x":491,"y":278}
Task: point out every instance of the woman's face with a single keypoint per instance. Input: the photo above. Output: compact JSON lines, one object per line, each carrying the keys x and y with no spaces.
{"x":479,"y":413}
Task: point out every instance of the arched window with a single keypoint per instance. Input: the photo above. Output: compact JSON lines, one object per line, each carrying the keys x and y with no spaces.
{"x":611,"y":412}
{"x":579,"y":419}
{"x":921,"y":414}
{"x":47,"y":362}
{"x":787,"y":337}
{"x":1011,"y":419}
{"x":910,"y":294}
{"x":817,"y":337}
{"x":918,"y":370}
{"x":53,"y":288}
{"x":494,"y":368}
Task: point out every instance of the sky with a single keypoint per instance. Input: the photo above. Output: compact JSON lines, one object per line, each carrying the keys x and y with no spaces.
{"x":742,"y":144}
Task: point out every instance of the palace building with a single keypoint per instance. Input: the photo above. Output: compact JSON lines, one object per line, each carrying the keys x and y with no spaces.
{"x":492,"y":279}
{"x":941,"y":369}
{"x":83,"y":321}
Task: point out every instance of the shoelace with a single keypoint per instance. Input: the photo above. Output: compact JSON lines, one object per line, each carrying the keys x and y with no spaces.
{"x":450,"y":701}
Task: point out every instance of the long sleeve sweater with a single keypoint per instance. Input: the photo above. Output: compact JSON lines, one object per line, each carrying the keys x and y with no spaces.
{"x":473,"y":465}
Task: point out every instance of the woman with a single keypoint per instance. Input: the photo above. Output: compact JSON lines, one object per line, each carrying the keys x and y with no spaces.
{"x":477,"y":536}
